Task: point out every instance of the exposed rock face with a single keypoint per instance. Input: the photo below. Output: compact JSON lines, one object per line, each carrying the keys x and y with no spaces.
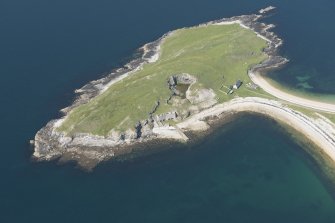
{"x":146,"y":131}
{"x":138,"y":130}
{"x":178,"y":79}
{"x":205,"y":97}
{"x":114,"y":135}
{"x":185,"y":79}
{"x":172,"y":82}
{"x":267,"y":9}
{"x":131,"y":135}
{"x":199,"y":98}
{"x":167,"y":116}
{"x":155,"y":108}
{"x":51,"y":144}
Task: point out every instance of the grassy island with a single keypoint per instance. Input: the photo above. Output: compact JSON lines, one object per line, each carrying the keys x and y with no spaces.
{"x":215,"y":55}
{"x":185,"y":82}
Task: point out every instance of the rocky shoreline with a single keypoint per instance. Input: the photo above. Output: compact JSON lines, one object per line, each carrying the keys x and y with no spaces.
{"x":50,"y":144}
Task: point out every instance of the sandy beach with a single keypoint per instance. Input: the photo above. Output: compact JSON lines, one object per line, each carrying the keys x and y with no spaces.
{"x":319,"y":130}
{"x":308,"y":103}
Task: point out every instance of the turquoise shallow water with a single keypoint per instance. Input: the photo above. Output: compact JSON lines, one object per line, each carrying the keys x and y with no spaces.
{"x":246,"y":172}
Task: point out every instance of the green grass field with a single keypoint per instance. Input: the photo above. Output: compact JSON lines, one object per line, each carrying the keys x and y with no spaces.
{"x":207,"y":53}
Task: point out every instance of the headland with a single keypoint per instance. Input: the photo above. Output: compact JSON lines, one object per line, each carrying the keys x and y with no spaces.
{"x":181,"y":80}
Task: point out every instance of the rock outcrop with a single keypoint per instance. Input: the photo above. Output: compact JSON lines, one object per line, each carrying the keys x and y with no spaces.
{"x":180,"y":79}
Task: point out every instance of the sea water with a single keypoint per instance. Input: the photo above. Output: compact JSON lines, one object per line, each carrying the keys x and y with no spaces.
{"x":247,"y":171}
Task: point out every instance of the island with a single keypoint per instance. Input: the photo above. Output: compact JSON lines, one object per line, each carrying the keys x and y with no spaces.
{"x":181,"y":84}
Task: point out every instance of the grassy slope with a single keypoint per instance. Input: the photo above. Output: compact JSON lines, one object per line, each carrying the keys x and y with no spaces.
{"x":207,"y":53}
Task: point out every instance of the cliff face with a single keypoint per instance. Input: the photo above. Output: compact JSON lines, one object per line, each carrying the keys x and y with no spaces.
{"x":48,"y":142}
{"x":51,"y":144}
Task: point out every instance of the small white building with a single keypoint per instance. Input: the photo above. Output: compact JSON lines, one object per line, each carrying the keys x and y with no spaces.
{"x":237,"y":84}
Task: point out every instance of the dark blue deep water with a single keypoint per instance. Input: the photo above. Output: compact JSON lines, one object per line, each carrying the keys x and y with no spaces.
{"x":249,"y":171}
